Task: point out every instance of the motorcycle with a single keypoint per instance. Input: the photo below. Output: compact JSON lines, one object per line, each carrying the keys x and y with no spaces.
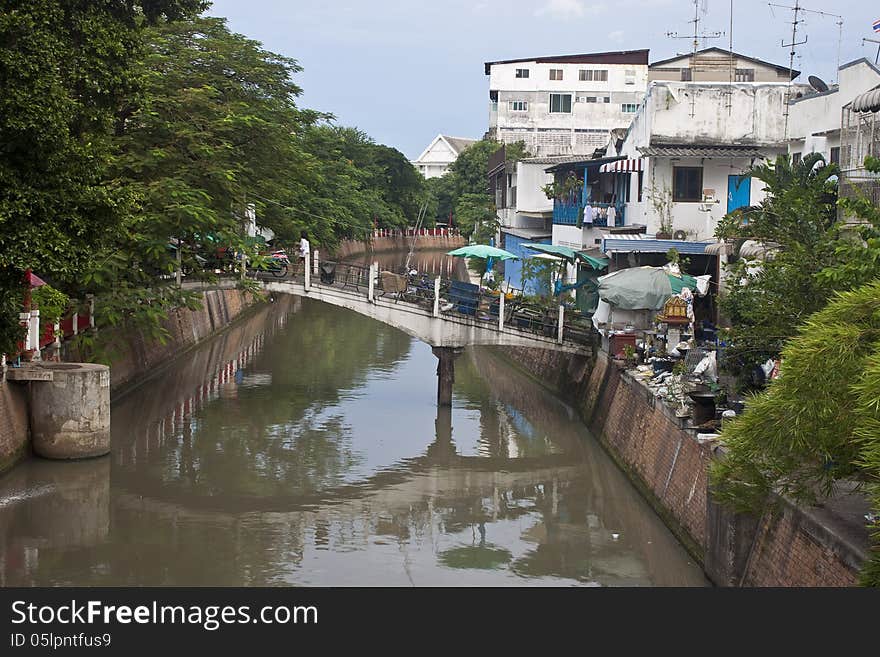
{"x":279,"y":263}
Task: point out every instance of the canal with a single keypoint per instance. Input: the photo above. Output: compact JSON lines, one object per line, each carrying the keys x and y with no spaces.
{"x":304,"y":447}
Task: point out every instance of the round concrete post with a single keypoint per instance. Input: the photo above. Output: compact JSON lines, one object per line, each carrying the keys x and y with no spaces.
{"x":70,"y":415}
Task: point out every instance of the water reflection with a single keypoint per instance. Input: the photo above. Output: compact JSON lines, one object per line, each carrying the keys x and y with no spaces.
{"x":305,"y":447}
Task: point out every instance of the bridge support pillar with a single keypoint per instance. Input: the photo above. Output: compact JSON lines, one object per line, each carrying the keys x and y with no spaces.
{"x":445,"y":373}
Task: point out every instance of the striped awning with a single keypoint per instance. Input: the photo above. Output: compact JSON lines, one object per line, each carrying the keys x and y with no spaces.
{"x":622,"y":166}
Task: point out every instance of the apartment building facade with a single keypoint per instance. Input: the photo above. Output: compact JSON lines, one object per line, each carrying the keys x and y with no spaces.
{"x":565,"y":105}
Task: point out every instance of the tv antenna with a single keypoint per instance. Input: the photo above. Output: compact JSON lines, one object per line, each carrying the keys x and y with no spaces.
{"x":696,"y":36}
{"x":798,"y":9}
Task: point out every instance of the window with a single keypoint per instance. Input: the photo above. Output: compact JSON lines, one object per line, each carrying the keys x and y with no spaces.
{"x":835,"y":155}
{"x":593,"y":75}
{"x":607,"y":99}
{"x":795,"y":158}
{"x":686,"y":75}
{"x":522,"y":72}
{"x":518,"y":105}
{"x":630,"y":76}
{"x":687,"y":184}
{"x":629,"y":108}
{"x":641,"y":184}
{"x":591,"y":99}
{"x":560,"y":103}
{"x":555,"y":73}
{"x":745,"y":75}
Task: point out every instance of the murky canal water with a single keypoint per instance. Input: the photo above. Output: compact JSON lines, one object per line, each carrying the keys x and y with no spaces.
{"x":304,"y":447}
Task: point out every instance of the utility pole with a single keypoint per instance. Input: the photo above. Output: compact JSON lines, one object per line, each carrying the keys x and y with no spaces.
{"x":696,"y":36}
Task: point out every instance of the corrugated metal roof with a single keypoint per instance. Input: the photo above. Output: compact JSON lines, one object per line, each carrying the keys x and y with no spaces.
{"x":557,"y":159}
{"x":583,"y":163}
{"x":696,"y":150}
{"x":528,"y":233}
{"x":626,"y":244}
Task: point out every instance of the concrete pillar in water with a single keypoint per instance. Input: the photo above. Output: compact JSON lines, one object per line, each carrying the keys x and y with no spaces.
{"x":445,"y":373}
{"x":70,"y":415}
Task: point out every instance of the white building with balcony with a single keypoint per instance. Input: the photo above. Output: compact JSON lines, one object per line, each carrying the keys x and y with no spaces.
{"x":565,"y":105}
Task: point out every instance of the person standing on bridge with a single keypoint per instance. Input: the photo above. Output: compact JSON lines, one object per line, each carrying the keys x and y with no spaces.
{"x":304,"y":248}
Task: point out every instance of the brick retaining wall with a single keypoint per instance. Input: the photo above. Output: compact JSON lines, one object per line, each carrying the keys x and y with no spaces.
{"x":13,"y":424}
{"x":791,"y":547}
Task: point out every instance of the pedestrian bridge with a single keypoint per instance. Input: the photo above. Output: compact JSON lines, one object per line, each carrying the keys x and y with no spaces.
{"x":432,"y":310}
{"x":442,"y":313}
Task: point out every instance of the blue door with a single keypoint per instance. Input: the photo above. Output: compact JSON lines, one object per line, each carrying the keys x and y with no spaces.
{"x":738,"y":188}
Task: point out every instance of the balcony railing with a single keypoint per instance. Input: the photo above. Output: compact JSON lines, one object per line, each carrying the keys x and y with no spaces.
{"x":566,"y":214}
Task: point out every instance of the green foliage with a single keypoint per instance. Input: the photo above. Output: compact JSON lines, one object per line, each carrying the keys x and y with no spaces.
{"x":476,"y":216}
{"x":65,"y":69}
{"x":767,"y":301}
{"x":537,"y":274}
{"x":135,"y":135}
{"x":464,"y":188}
{"x":567,"y":188}
{"x":51,"y":302}
{"x":820,"y":421}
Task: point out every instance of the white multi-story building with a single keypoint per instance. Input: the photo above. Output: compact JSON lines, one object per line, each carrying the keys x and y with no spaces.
{"x":815,"y":117}
{"x":440,"y":153}
{"x":688,"y":149}
{"x":565,"y":105}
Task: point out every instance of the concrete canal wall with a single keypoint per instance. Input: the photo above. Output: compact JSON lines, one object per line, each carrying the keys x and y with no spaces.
{"x":14,"y":431}
{"x":134,"y":359}
{"x":348,"y":248}
{"x":787,"y":546}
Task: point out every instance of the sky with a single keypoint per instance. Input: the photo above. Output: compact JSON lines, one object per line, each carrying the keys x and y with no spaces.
{"x":404,"y":71}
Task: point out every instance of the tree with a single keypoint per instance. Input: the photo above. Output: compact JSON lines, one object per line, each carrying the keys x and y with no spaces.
{"x":65,"y":69}
{"x":466,"y":180}
{"x":819,"y":422}
{"x":767,"y":301}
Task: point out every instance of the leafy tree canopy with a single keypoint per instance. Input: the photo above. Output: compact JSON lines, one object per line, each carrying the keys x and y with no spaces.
{"x":65,"y":67}
{"x":820,"y":421}
{"x":797,"y":221}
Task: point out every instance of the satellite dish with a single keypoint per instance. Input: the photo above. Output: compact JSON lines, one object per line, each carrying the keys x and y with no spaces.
{"x":817,"y":83}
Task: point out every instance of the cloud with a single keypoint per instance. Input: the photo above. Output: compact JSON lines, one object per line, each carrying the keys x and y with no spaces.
{"x":568,"y":9}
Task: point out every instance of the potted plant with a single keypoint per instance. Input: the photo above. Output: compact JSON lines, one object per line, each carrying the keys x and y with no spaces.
{"x":629,"y":355}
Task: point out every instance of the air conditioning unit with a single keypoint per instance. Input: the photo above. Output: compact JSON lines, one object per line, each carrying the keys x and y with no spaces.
{"x":680,"y":235}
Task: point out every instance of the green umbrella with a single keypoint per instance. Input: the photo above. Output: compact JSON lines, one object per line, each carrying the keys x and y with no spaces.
{"x":483,"y":251}
{"x":569,"y":254}
{"x":642,"y":288}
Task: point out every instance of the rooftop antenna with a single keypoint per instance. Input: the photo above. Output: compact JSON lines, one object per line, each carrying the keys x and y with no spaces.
{"x":796,"y":9}
{"x":696,"y":43}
